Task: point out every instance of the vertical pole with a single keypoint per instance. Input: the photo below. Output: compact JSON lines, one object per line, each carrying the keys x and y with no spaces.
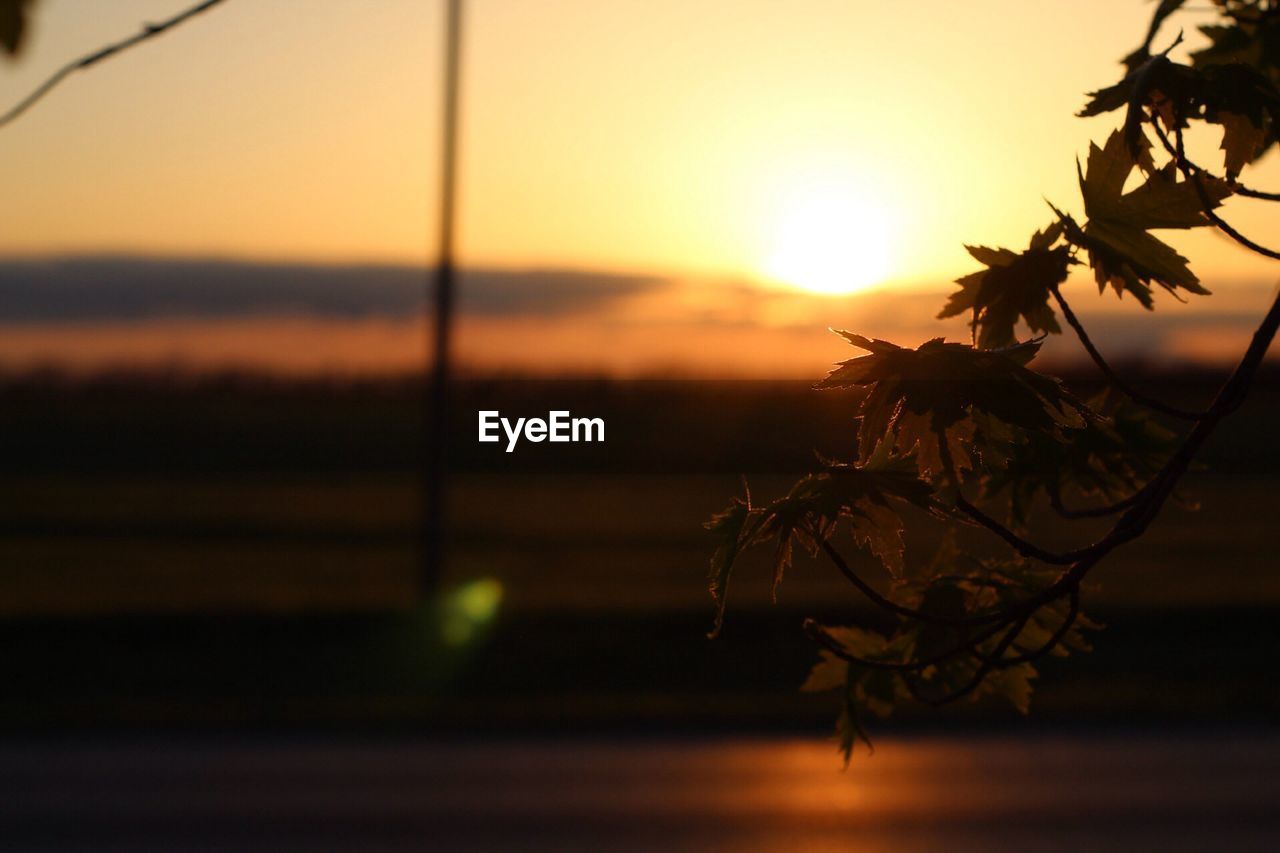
{"x":436,"y":459}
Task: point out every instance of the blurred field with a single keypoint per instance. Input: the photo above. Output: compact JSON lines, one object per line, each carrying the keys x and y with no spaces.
{"x":555,"y":541}
{"x":173,"y":493}
{"x":215,"y":550}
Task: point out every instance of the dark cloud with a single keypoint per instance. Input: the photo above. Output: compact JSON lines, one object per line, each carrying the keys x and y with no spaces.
{"x":118,"y":288}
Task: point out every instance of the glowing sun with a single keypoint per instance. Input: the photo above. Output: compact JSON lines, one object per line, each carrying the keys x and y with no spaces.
{"x":830,"y":239}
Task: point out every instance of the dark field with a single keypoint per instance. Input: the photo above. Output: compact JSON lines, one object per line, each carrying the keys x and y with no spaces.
{"x":238,"y":551}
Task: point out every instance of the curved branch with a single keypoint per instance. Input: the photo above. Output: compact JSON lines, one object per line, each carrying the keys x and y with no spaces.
{"x":899,"y":609}
{"x":824,"y":639}
{"x":1068,"y":621}
{"x":149,"y":31}
{"x":1236,"y":187}
{"x":1027,"y":549}
{"x":1206,"y":203}
{"x":978,"y":676}
{"x":1142,"y":509}
{"x":1114,"y":378}
{"x":1055,"y":501}
{"x":1030,"y":550}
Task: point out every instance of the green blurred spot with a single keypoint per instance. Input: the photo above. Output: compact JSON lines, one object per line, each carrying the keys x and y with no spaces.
{"x":468,"y":610}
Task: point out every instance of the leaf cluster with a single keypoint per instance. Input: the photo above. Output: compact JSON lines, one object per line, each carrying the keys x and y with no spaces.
{"x":949,"y":428}
{"x":1117,"y":236}
{"x":927,"y":661}
{"x":1014,"y":285}
{"x":1233,"y":83}
{"x":867,"y":497}
{"x":916,"y":395}
{"x":1109,"y":459}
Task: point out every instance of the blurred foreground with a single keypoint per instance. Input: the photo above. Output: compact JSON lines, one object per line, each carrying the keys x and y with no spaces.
{"x":210,"y":637}
{"x":1059,"y":793}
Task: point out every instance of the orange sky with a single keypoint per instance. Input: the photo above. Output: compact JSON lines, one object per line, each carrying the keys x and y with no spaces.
{"x":706,"y":140}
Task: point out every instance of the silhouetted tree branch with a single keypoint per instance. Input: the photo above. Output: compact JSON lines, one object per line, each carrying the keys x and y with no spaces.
{"x":1055,"y":501}
{"x":959,"y":619}
{"x":148,"y":32}
{"x":1236,"y":187}
{"x":1114,"y":378}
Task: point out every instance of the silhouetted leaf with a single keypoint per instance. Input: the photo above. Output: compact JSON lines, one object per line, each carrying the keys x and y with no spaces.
{"x":829,"y":673}
{"x":939,"y":385}
{"x":849,"y":728}
{"x":1246,"y":103}
{"x":809,"y":514}
{"x":1171,"y":91}
{"x":1012,"y":684}
{"x":832,"y":673}
{"x":1241,"y":141}
{"x":1121,"y":251}
{"x":733,"y":528}
{"x":1013,"y":285}
{"x":862,"y":688}
{"x":1253,"y":44}
{"x":860,"y":494}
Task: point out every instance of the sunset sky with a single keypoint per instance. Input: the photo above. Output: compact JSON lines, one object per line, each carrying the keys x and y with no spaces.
{"x":824,"y":145}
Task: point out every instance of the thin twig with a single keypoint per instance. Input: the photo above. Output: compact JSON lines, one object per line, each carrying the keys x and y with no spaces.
{"x":1206,"y":203}
{"x":149,"y":31}
{"x":1024,"y":547}
{"x":1055,"y":501}
{"x":1027,"y":549}
{"x":1114,"y":378}
{"x":899,"y":609}
{"x":1068,"y":621}
{"x":820,"y":635}
{"x":1236,"y":187}
{"x":982,"y":672}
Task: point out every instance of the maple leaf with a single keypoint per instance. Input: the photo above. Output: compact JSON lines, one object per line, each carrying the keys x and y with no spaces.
{"x":1171,"y":90}
{"x":1241,"y":141}
{"x":860,"y":494}
{"x":1230,"y":43}
{"x":810,"y":512}
{"x":948,"y":383}
{"x":1246,"y":103}
{"x":862,"y":688}
{"x":1121,"y":250}
{"x":1015,"y":284}
{"x":733,"y":529}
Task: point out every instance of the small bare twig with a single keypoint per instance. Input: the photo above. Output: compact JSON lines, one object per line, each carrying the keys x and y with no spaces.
{"x":824,"y":639}
{"x":1068,"y":621}
{"x":1192,"y":174}
{"x":1236,"y":187}
{"x":149,"y":31}
{"x":1055,"y":501}
{"x":1024,"y":547}
{"x":1114,"y":378}
{"x":984,"y":669}
{"x":899,"y":609}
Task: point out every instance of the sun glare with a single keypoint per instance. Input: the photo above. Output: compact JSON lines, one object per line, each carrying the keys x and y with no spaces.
{"x":830,"y":239}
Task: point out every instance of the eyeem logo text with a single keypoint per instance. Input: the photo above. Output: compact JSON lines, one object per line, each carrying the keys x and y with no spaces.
{"x":558,"y":427}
